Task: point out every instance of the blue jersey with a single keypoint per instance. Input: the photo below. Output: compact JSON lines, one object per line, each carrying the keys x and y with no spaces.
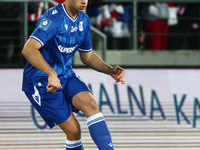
{"x":60,"y":36}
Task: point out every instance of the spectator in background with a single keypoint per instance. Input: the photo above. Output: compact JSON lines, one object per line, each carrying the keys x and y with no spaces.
{"x":119,"y":38}
{"x":177,"y":22}
{"x":113,"y":20}
{"x":154,"y":18}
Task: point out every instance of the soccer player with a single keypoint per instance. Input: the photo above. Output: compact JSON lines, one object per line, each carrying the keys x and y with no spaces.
{"x":49,"y":82}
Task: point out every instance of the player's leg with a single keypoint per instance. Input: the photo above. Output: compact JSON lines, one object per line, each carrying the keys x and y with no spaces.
{"x":100,"y":134}
{"x":53,"y":108}
{"x":77,"y":93}
{"x":71,"y":128}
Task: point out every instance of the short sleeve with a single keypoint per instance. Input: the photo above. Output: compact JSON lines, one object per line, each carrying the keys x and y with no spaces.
{"x":86,"y":45}
{"x":45,"y":29}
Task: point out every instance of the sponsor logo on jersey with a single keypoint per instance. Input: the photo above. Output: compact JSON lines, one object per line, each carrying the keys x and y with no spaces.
{"x":54,"y":12}
{"x":66,"y":27}
{"x":45,"y":23}
{"x":81,"y":26}
{"x":66,"y":49}
{"x":73,"y":29}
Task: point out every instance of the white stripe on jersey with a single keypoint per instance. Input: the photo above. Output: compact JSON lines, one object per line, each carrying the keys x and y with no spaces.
{"x":68,"y":14}
{"x":85,"y":50}
{"x":37,"y":40}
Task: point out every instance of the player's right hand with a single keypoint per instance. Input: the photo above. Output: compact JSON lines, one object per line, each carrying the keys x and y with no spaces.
{"x":53,"y":83}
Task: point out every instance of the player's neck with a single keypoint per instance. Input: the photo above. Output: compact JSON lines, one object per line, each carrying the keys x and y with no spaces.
{"x":71,"y":11}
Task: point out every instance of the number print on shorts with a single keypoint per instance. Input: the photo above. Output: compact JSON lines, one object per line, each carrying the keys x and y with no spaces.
{"x":36,"y":96}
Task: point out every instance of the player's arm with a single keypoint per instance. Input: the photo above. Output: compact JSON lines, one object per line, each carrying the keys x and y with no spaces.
{"x":32,"y":54}
{"x":93,"y":61}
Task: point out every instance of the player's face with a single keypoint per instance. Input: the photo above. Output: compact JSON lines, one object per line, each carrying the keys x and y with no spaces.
{"x":79,"y":5}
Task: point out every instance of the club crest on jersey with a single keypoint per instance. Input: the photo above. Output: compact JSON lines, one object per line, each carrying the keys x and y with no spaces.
{"x":45,"y":23}
{"x":73,"y":29}
{"x":81,"y":26}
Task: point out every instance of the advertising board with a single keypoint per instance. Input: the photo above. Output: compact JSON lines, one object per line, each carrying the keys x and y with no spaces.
{"x":153,"y":94}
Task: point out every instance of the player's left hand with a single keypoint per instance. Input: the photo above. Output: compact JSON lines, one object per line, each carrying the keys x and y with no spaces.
{"x":118,"y":74}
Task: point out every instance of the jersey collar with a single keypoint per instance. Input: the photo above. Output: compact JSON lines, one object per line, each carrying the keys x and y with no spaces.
{"x":63,"y":6}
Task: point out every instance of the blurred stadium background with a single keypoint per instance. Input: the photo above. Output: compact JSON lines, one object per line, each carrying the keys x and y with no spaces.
{"x":158,"y":108}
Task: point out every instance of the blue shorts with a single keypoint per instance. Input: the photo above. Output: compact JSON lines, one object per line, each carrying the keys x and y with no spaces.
{"x":56,"y":108}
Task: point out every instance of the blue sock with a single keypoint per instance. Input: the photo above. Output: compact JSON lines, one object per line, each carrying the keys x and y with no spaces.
{"x":99,"y":132}
{"x":74,"y":145}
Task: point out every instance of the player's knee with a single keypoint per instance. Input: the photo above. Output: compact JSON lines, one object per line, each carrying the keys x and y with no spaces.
{"x":74,"y":134}
{"x":92,"y":104}
{"x":77,"y":133}
{"x":89,"y":107}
